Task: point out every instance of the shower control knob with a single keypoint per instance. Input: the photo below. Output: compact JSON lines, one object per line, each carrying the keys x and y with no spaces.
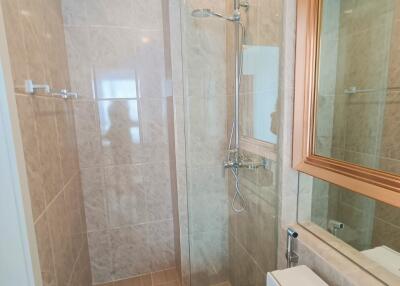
{"x":230,"y":164}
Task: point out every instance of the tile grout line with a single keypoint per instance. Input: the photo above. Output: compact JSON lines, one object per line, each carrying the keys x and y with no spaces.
{"x":76,"y":262}
{"x":142,"y":275}
{"x":54,"y":199}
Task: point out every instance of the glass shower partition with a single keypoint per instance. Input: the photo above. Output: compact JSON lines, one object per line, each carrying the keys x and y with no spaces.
{"x":218,"y":245}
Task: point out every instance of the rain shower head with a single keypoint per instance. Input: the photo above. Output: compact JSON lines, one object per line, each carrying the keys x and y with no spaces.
{"x":204,"y":13}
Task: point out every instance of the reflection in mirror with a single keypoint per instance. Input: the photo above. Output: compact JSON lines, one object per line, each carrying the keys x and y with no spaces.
{"x":260,"y":92}
{"x":359,"y":83}
{"x":352,"y":222}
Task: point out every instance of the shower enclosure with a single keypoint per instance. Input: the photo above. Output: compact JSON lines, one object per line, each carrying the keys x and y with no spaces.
{"x":228,"y":232}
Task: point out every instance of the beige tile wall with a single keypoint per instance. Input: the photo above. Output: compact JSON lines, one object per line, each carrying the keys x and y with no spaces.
{"x":35,"y":38}
{"x":122,"y":134}
{"x":253,"y":233}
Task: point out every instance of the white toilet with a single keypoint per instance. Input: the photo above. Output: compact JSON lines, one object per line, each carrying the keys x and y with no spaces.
{"x":300,"y":275}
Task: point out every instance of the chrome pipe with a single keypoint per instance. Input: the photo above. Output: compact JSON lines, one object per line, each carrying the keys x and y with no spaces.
{"x":237,"y":84}
{"x":291,"y":257}
{"x":236,"y":4}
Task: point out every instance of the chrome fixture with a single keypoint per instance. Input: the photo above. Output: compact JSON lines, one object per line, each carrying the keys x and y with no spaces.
{"x":248,"y":163}
{"x":355,"y":90}
{"x":65,"y":94}
{"x":334,"y":226}
{"x":234,"y":161}
{"x":291,"y":256}
{"x":32,"y":88}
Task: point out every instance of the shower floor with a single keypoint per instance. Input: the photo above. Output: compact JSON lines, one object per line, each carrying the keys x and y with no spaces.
{"x":163,"y":278}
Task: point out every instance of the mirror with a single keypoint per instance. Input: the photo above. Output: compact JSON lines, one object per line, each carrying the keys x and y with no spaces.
{"x":260,"y":81}
{"x":358,"y":83}
{"x":365,"y":230}
{"x":347,"y":95}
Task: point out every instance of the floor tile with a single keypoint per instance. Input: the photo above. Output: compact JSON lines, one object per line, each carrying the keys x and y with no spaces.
{"x":144,"y":280}
{"x":162,"y":277}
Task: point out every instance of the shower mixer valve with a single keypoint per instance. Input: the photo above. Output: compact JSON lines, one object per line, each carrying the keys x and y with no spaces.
{"x":239,"y":162}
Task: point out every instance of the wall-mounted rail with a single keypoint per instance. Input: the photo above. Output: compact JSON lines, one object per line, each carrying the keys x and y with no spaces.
{"x":45,"y":90}
{"x":355,"y":90}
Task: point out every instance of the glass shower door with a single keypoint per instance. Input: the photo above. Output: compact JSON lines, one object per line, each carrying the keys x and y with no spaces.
{"x":227,"y":247}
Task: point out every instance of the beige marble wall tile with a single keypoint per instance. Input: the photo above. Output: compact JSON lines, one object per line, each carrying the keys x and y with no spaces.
{"x":126,"y":195}
{"x":120,"y":131}
{"x":133,"y":131}
{"x":206,"y":130}
{"x":100,"y":256}
{"x":208,"y":201}
{"x":15,"y":40}
{"x":209,"y":257}
{"x":165,"y":276}
{"x":36,"y":26}
{"x":31,"y":153}
{"x":49,"y":149}
{"x":88,"y":134}
{"x":158,"y":191}
{"x":243,"y":271}
{"x":94,"y":188}
{"x":73,"y":205}
{"x":54,"y":50}
{"x":155,"y":122}
{"x":394,"y":70}
{"x":79,"y":61}
{"x":110,"y":13}
{"x":106,"y":39}
{"x":264,"y":20}
{"x":386,"y":234}
{"x":143,"y":12}
{"x":61,"y":239}
{"x":390,"y":133}
{"x":387,"y":213}
{"x":160,"y":237}
{"x":74,"y":12}
{"x":362,"y":124}
{"x":45,"y":252}
{"x":33,"y":24}
{"x":150,"y":63}
{"x":66,"y":139}
{"x":81,"y":275}
{"x":255,"y":231}
{"x":130,"y":254}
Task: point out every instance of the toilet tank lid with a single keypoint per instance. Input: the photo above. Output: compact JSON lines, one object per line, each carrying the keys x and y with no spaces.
{"x":300,"y":275}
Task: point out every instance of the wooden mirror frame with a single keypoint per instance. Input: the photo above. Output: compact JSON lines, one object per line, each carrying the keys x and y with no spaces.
{"x":375,"y":184}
